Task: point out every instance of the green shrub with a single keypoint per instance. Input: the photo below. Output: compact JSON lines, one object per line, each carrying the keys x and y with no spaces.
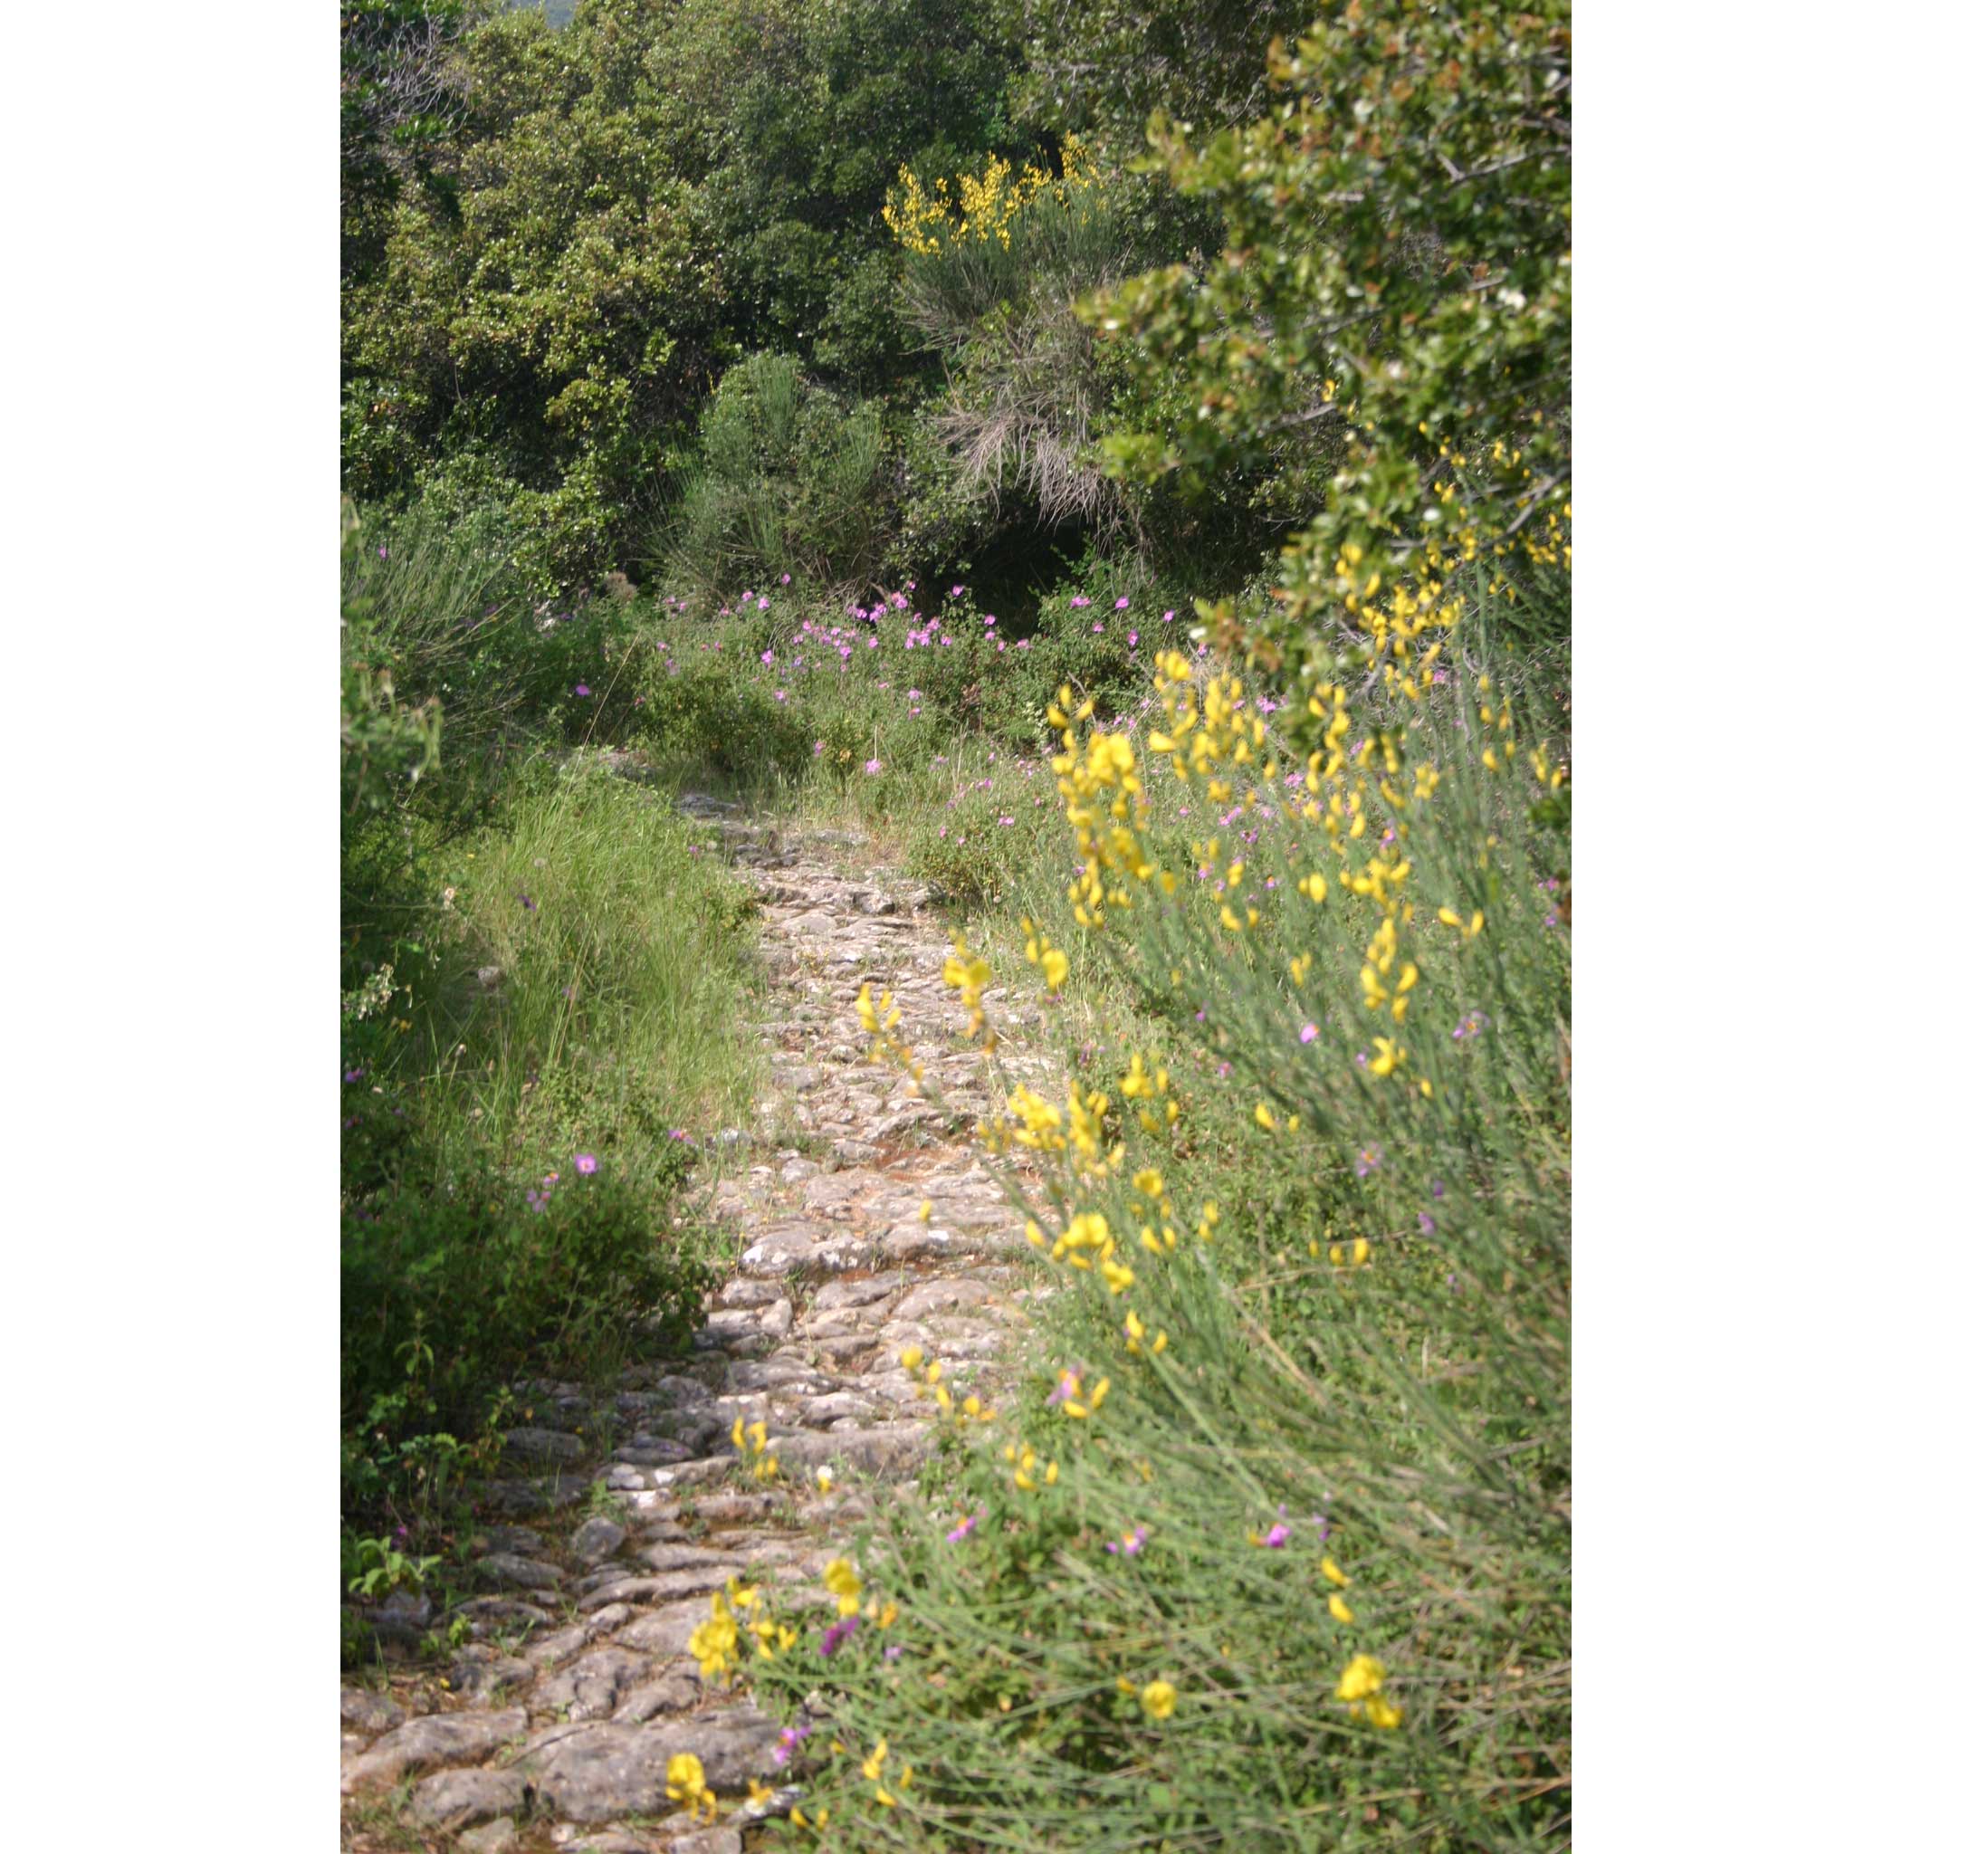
{"x":1083,"y":638}
{"x":456,"y":1280}
{"x":968,"y":850}
{"x":704,"y":714}
{"x":565,"y":981}
{"x":1390,"y":328}
{"x":785,"y":478}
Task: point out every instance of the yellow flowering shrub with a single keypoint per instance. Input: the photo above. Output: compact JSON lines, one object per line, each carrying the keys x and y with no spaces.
{"x":983,"y":209}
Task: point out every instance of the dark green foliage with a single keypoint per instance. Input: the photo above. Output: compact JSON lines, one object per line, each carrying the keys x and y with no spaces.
{"x":1390,"y":328}
{"x":1108,"y":65}
{"x":786,"y":478}
{"x":451,"y":1282}
{"x":401,"y":100}
{"x":632,"y":201}
{"x":459,"y":1098}
{"x":704,"y":716}
{"x":1085,"y":646}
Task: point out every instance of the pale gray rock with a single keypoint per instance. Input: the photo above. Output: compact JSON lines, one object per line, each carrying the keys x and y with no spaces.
{"x":371,"y":1713}
{"x":518,"y":1572}
{"x":421,"y":1744}
{"x":532,"y":1447}
{"x":453,"y":1799}
{"x":604,"y":1771}
{"x":597,"y":1539}
{"x":497,"y":1837}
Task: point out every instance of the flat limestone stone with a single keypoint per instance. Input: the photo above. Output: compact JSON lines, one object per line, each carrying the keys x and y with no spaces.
{"x":461,"y":1799}
{"x":602,"y":1773}
{"x":422,"y":1744}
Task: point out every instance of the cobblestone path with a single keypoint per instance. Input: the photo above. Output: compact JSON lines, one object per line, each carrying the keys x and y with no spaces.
{"x":552,"y":1725}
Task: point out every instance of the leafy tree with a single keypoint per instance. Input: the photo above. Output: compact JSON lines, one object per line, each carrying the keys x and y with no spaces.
{"x":1107,"y":65}
{"x":558,"y":321}
{"x":1389,"y":326}
{"x":785,"y":477}
{"x":636,"y":202}
{"x":401,"y":98}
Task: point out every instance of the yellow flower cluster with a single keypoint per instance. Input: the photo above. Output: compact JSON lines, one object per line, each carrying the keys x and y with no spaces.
{"x":1105,"y":804}
{"x":770,"y":1635}
{"x":1079,"y":1406}
{"x":967,"y":975}
{"x":880,"y":1017}
{"x":987,"y":202}
{"x":750,"y":1441}
{"x":1209,"y":731}
{"x":1359,"y":1687}
{"x":1056,"y":965}
{"x":1023,"y":1461}
{"x":684,"y":1782}
{"x":932,"y":1384}
{"x":714,"y":1642}
{"x":1078,"y":1128}
{"x":845,"y":1585}
{"x":873,"y":1772}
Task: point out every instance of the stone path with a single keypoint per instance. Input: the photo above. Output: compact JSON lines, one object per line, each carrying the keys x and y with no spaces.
{"x":552,"y":1722}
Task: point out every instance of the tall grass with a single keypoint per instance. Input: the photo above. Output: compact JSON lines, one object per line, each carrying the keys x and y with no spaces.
{"x":546,"y":978}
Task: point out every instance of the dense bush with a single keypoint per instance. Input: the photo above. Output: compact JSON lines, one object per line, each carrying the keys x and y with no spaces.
{"x":453,"y":1284}
{"x":1300,"y":1569}
{"x":708,"y":717}
{"x":784,"y":477}
{"x":622,"y":207}
{"x":519,"y":989}
{"x":1390,"y":325}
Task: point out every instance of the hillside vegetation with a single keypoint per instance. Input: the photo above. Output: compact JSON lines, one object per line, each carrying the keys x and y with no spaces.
{"x":1121,"y":460}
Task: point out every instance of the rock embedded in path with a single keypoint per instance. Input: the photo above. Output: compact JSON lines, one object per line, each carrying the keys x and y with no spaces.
{"x":597,"y":1539}
{"x":593,"y":1686}
{"x":713,"y":1841}
{"x":453,"y":1800}
{"x":518,"y":1572}
{"x":886,"y":1449}
{"x":601,"y":1773}
{"x":369,"y":1713}
{"x":497,"y":1837}
{"x":542,"y":1448}
{"x":421,"y":1744}
{"x":480,"y":1672}
{"x":675,"y":1692}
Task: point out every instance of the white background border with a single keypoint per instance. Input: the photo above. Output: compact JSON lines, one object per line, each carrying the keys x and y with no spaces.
{"x":1779,"y":1284}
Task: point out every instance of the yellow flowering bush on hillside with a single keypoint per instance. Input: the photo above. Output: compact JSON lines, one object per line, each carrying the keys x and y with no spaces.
{"x":1281,"y":1536}
{"x":987,"y":203}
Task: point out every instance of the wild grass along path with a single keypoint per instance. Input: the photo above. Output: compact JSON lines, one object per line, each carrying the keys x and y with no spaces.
{"x":552,"y":1725}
